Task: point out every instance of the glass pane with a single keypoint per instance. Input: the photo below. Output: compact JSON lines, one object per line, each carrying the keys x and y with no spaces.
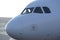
{"x":27,"y":10}
{"x":38,"y":10}
{"x":46,"y":10}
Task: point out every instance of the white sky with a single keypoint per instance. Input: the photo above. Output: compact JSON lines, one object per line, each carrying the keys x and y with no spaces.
{"x":11,"y":8}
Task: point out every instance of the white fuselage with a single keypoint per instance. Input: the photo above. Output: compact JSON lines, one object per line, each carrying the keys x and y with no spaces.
{"x":36,"y":26}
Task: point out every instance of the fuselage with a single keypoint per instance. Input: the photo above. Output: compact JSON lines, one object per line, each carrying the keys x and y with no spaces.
{"x":36,"y":26}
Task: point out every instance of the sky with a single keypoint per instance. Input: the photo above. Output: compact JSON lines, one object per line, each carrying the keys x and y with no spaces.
{"x":12,"y":8}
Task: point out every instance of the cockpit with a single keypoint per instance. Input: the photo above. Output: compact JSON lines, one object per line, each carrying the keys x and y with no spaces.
{"x":36,"y":10}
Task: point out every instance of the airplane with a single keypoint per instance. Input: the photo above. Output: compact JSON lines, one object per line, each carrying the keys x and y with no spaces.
{"x":40,"y":20}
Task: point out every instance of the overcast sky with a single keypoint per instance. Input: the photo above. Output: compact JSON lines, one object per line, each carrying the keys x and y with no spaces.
{"x":12,"y":8}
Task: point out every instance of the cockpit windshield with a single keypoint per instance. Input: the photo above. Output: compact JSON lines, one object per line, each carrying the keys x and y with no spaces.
{"x":27,"y":10}
{"x":36,"y":10}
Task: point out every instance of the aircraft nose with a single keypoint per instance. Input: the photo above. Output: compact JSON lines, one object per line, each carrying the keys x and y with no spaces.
{"x":18,"y":27}
{"x":13,"y":27}
{"x":10,"y":31}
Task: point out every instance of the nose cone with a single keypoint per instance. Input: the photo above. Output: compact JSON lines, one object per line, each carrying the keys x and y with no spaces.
{"x":12,"y":27}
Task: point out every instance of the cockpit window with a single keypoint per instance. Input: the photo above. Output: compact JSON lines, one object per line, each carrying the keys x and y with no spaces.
{"x":38,"y":10}
{"x":27,"y":10}
{"x":46,"y":10}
